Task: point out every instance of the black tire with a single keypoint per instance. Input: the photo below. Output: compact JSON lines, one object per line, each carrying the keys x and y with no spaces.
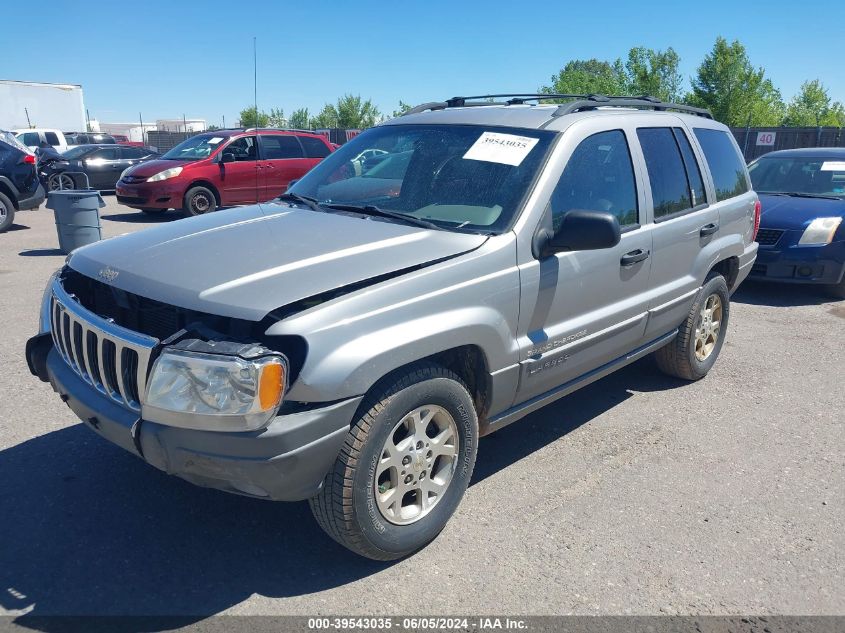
{"x":346,"y":508}
{"x":837,"y":290}
{"x":199,"y":201}
{"x":678,"y":358}
{"x":7,"y":212}
{"x":154,"y":211}
{"x":67,"y":182}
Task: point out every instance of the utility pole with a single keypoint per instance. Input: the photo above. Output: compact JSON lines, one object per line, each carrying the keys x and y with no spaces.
{"x":141,"y":119}
{"x":28,"y":122}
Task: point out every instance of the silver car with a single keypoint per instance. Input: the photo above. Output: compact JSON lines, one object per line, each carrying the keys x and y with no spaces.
{"x":351,"y":340}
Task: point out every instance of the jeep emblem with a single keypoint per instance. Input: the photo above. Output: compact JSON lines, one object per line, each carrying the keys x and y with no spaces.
{"x":108,"y":274}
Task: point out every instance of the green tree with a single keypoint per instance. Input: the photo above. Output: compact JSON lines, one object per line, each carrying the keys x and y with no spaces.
{"x":654,"y":73}
{"x":252,"y":117}
{"x":812,"y":107}
{"x":276,"y":118}
{"x":589,"y":76}
{"x":351,"y":112}
{"x":212,"y":128}
{"x":299,"y":119}
{"x":403,"y":108}
{"x":734,"y":91}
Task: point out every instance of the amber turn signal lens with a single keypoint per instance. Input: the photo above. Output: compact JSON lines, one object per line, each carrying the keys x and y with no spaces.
{"x":270,"y":385}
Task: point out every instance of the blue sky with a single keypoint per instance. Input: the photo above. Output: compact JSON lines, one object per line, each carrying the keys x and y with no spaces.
{"x":166,"y":59}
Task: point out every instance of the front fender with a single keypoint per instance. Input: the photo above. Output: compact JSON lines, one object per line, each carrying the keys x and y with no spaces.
{"x":355,"y":340}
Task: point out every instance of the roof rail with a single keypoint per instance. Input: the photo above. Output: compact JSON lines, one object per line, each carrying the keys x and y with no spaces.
{"x":651,"y":103}
{"x":577,"y":103}
{"x":277,"y":129}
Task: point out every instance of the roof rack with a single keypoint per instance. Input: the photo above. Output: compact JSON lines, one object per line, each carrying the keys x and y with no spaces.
{"x":277,"y":129}
{"x":577,"y":103}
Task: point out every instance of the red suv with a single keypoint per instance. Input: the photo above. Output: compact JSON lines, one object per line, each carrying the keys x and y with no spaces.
{"x":221,"y":168}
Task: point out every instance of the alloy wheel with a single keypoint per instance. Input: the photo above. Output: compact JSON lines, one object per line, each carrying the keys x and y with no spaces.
{"x":61,"y":181}
{"x":707,"y":327}
{"x":416,"y":465}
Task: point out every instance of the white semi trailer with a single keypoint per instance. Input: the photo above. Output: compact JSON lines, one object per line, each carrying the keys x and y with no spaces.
{"x":26,"y":104}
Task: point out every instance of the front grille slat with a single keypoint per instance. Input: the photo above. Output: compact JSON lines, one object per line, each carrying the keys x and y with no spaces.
{"x":111,"y":358}
{"x":768,"y":237}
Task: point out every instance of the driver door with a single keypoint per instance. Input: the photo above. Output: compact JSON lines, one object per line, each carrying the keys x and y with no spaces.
{"x":583,"y":309}
{"x":239,"y":179}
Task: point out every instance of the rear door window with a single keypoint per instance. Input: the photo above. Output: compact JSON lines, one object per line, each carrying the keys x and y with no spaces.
{"x":670,"y":191}
{"x":275,"y":147}
{"x":599,"y":176}
{"x":314,"y":147}
{"x":725,"y":163}
{"x":52,"y":138}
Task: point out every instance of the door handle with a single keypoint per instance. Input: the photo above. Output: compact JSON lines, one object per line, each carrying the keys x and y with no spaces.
{"x":629,"y":259}
{"x":708,"y":229}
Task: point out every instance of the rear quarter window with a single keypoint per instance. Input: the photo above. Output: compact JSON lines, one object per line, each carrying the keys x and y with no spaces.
{"x":314,"y":147}
{"x":723,"y":159}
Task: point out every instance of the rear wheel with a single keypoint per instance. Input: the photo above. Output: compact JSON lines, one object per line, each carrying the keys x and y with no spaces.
{"x":199,"y":200}
{"x":61,"y":181}
{"x":7,"y":212}
{"x":692,"y":353}
{"x":404,"y":467}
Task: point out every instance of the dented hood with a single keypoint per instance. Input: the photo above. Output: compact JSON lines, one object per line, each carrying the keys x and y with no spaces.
{"x":249,"y":261}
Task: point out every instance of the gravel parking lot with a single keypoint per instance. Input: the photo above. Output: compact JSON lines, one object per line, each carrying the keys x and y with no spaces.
{"x":638,"y":495}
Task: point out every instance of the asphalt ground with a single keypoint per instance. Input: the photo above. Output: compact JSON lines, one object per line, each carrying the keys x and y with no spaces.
{"x":640,"y":494}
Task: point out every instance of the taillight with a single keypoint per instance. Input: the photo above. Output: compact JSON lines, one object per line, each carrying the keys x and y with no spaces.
{"x":757,"y":210}
{"x":29,"y":159}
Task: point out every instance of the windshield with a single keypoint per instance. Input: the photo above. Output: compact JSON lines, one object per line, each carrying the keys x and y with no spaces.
{"x":455,"y":176}
{"x":195,"y":148}
{"x":803,"y":175}
{"x":78,"y":151}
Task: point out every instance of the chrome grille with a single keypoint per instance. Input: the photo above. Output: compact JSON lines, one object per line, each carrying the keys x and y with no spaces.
{"x":111,"y":358}
{"x":768,"y":237}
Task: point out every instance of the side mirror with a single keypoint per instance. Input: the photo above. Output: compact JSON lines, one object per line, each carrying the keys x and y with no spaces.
{"x":292,"y":183}
{"x":583,"y":231}
{"x":227,"y":157}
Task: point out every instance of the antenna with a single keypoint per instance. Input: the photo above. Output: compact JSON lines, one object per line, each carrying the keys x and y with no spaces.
{"x":255,"y":104}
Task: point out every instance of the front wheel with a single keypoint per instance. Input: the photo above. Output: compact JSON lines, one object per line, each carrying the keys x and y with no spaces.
{"x":198,"y":201}
{"x":7,"y":212}
{"x":404,"y":467}
{"x":692,"y":353}
{"x":57,"y":182}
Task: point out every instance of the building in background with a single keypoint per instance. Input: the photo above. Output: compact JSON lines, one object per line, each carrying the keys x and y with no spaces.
{"x":181,"y":125}
{"x":132,"y":131}
{"x":25,"y":104}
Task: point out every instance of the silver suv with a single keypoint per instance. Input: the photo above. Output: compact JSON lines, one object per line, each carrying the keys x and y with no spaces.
{"x":351,"y":340}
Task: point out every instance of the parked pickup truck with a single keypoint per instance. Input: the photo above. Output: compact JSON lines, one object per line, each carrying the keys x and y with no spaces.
{"x":350,"y":341}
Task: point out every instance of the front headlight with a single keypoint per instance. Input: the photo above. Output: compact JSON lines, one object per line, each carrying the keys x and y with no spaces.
{"x":214,"y":392}
{"x":164,"y":175}
{"x":820,"y":231}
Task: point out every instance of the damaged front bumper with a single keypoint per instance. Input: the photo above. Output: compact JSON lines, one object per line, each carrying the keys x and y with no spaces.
{"x":285,"y":461}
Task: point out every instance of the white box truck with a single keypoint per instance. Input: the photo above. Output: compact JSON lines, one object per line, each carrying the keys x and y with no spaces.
{"x":57,"y":106}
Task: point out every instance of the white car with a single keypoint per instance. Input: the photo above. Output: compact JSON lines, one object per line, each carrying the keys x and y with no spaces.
{"x":33,"y":138}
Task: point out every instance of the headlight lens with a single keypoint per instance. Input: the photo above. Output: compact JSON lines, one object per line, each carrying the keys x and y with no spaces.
{"x":214,"y":392}
{"x":820,"y":231}
{"x":164,"y":175}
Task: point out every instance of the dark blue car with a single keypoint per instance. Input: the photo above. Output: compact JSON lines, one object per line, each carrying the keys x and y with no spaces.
{"x":802,"y":228}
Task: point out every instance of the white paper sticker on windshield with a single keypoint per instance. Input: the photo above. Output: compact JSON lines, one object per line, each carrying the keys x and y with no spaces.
{"x":215,"y":140}
{"x":833,"y":165}
{"x":494,"y":147}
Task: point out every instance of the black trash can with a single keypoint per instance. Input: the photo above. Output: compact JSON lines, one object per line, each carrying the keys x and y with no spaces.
{"x":77,"y":213}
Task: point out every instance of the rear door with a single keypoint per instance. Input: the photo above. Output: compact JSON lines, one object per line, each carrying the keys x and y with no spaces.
{"x":283,"y":160}
{"x":685,"y":222}
{"x":103,"y":167}
{"x":582,"y":309}
{"x":239,"y":180}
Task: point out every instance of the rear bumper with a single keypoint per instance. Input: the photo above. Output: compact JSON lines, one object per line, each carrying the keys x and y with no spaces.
{"x":162,"y":195}
{"x":34,"y":201}
{"x":286,"y":461}
{"x":801,"y":264}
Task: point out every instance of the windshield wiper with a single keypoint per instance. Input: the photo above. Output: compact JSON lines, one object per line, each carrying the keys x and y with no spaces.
{"x":308,"y":201}
{"x":798,"y":194}
{"x":371,"y":209}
